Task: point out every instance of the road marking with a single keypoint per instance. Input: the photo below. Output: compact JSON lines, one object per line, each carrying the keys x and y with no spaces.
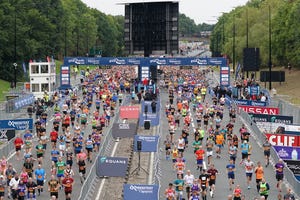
{"x":204,"y":165}
{"x":104,"y":179}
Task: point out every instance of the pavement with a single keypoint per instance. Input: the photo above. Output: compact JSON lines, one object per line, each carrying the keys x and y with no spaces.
{"x":47,"y":161}
{"x":222,"y":185}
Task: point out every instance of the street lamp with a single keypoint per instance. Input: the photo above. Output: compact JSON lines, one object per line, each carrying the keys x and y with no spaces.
{"x":233,"y":45}
{"x":15,"y":65}
{"x":270,"y":50}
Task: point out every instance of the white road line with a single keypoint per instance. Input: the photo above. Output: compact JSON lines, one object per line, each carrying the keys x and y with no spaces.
{"x":104,"y":179}
{"x":204,"y":165}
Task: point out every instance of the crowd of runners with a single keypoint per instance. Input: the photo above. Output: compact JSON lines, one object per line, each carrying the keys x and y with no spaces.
{"x":196,"y":121}
{"x":68,"y":129}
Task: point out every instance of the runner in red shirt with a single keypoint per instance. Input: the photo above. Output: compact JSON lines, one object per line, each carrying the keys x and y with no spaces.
{"x":53,"y":137}
{"x":199,"y":157}
{"x":68,"y":183}
{"x":18,"y":145}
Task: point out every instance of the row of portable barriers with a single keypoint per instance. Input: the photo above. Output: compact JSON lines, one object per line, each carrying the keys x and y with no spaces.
{"x":285,"y":109}
{"x":260,"y":137}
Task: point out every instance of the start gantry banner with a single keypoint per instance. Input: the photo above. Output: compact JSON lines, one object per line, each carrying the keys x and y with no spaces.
{"x":151,"y":61}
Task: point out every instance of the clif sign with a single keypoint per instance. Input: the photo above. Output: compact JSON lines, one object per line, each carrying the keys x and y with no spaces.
{"x":284,"y":140}
{"x":260,"y":110}
{"x":225,"y":76}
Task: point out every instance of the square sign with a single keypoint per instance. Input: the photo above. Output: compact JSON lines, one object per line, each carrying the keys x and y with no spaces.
{"x":65,"y":77}
{"x":111,"y":166}
{"x":225,"y":76}
{"x":17,"y":124}
{"x":149,"y":143}
{"x":124,"y":130}
{"x":138,"y":192}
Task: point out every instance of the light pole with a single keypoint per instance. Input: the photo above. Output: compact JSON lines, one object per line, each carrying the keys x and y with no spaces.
{"x":233,"y":45}
{"x":270,"y":49}
{"x":15,"y":65}
{"x":247,"y":34}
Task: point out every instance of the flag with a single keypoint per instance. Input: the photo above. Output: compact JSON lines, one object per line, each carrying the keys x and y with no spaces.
{"x":24,"y":67}
{"x":237,"y":70}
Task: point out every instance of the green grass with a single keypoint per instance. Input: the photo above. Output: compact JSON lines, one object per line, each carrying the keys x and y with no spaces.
{"x":4,"y":86}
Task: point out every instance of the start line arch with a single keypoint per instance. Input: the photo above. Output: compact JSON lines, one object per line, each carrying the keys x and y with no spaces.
{"x":144,"y":64}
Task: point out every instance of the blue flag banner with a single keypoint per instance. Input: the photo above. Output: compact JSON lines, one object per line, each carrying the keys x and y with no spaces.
{"x":17,"y":124}
{"x":138,"y":192}
{"x":149,"y":143}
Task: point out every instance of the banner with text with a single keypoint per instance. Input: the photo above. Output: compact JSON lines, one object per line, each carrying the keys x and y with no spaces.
{"x":272,"y":118}
{"x":65,"y":78}
{"x":283,"y":140}
{"x":17,"y":124}
{"x":149,"y":143}
{"x":124,"y":130}
{"x":259,"y":110}
{"x":138,"y":192}
{"x":111,"y":166}
{"x":288,"y":153}
{"x":250,"y":102}
{"x":225,"y":76}
{"x":129,"y":112}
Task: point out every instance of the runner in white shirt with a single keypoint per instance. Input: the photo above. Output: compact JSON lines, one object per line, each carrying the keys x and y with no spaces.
{"x":188,"y":181}
{"x":180,"y":144}
{"x":249,"y":169}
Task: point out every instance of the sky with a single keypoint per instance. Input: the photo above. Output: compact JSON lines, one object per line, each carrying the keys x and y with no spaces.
{"x":201,"y":11}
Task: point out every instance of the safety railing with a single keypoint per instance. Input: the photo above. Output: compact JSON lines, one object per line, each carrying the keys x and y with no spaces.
{"x":260,"y":137}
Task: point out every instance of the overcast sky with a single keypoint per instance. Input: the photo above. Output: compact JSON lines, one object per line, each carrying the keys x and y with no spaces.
{"x":199,"y":10}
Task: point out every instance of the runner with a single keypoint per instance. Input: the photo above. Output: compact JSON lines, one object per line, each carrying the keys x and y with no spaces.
{"x":179,"y":184}
{"x":18,"y":142}
{"x":259,"y":173}
{"x":31,"y":186}
{"x":279,"y":173}
{"x":53,"y":186}
{"x":82,"y":169}
{"x":89,"y":148}
{"x":203,"y":178}
{"x":264,"y":188}
{"x":267,"y":146}
{"x":188,"y":181}
{"x":40,"y":176}
{"x":179,"y":166}
{"x":219,"y":143}
{"x":237,"y":193}
{"x":68,"y":183}
{"x":60,"y":165}
{"x":249,"y":169}
{"x":199,"y":154}
{"x":168,"y":144}
{"x":230,"y":173}
{"x":170,"y":192}
{"x":212,"y":172}
{"x":2,"y":187}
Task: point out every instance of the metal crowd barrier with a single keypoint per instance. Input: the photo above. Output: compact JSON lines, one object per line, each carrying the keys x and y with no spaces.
{"x":92,"y":173}
{"x":260,"y":137}
{"x":8,"y":148}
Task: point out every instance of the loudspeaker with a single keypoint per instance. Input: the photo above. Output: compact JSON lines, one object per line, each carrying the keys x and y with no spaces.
{"x":139,"y":145}
{"x":251,"y":60}
{"x":145,"y":109}
{"x":153,"y":73}
{"x":147,"y":124}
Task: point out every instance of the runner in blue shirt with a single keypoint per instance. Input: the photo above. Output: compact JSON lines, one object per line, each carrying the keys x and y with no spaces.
{"x":40,"y":175}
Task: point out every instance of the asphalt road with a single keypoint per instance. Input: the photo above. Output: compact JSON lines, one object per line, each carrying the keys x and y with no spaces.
{"x":222,"y":185}
{"x":47,"y":161}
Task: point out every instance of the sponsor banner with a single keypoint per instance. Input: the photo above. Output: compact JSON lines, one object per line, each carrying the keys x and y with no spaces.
{"x":225,"y":76}
{"x":250,"y":103}
{"x":270,"y":127}
{"x":65,"y":79}
{"x":294,"y":166}
{"x":129,"y":112}
{"x":7,"y":134}
{"x":254,"y":90}
{"x":283,"y":140}
{"x":144,"y":61}
{"x":288,"y":153}
{"x":273,"y":118}
{"x":260,"y":110}
{"x":124,"y":130}
{"x":149,"y":143}
{"x":17,"y":124}
{"x":111,"y":166}
{"x":292,"y":127}
{"x":138,"y":192}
